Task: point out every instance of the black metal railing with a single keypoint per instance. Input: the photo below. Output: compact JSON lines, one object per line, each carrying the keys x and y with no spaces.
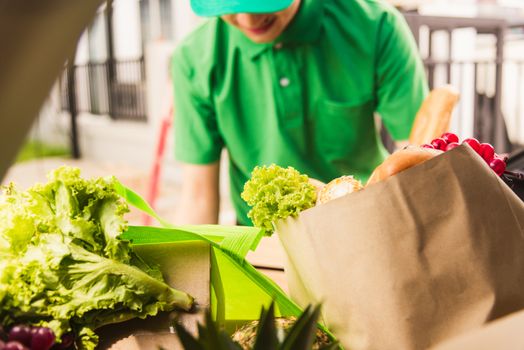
{"x":488,"y":110}
{"x":487,"y":83}
{"x":116,"y":89}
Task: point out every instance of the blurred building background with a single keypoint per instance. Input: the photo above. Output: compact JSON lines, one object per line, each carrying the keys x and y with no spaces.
{"x":112,"y":105}
{"x":119,"y":88}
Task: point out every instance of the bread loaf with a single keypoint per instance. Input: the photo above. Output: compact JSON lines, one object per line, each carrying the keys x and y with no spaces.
{"x":338,"y":187}
{"x":434,"y":116}
{"x":401,"y":160}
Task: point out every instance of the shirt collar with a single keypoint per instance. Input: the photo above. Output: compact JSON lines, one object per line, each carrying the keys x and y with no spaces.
{"x":304,"y":28}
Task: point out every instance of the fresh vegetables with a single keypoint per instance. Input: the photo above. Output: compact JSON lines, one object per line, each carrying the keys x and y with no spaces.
{"x":63,"y":265}
{"x":275,"y":193}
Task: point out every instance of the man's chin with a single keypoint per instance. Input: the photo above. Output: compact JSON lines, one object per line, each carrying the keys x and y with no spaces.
{"x":261,"y":39}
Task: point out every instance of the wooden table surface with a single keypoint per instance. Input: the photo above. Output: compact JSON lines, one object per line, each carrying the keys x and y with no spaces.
{"x":269,"y":258}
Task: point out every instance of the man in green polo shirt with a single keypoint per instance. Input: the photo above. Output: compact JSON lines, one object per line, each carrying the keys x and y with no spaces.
{"x":290,"y":82}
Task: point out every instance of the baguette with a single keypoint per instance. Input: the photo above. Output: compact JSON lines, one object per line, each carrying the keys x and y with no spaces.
{"x":434,"y":116}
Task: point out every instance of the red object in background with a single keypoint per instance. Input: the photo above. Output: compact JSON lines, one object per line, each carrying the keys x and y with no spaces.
{"x":157,"y":163}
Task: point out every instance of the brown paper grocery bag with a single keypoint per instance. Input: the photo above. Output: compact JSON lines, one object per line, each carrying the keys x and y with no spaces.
{"x":502,"y":334}
{"x":185,"y":266}
{"x":418,"y":258}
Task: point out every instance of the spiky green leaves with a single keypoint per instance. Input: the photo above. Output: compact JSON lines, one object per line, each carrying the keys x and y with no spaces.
{"x":300,"y":336}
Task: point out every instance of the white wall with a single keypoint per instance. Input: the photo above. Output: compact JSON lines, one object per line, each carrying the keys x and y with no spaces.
{"x":134,"y":143}
{"x":184,"y":19}
{"x":126,"y":29}
{"x":513,"y":85}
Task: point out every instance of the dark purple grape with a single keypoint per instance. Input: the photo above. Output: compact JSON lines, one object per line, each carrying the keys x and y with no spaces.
{"x":21,"y":333}
{"x":66,"y":342}
{"x":43,"y":339}
{"x":3,"y":334}
{"x":14,"y":345}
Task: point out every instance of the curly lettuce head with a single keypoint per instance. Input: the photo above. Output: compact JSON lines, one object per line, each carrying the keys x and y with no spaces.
{"x":63,"y":264}
{"x":276,"y":193}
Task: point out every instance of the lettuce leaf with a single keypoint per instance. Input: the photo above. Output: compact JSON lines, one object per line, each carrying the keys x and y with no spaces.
{"x":276,"y":193}
{"x":63,"y":264}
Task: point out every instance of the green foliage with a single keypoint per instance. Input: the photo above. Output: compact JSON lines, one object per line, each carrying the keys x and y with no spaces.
{"x":276,"y":193}
{"x":37,"y":149}
{"x":63,"y":264}
{"x":300,"y":337}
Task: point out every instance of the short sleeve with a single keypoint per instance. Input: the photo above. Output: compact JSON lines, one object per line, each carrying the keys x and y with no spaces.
{"x":401,"y":80}
{"x":197,"y":138}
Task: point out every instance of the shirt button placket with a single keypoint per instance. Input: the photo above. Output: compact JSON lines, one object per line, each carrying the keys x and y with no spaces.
{"x":289,"y":93}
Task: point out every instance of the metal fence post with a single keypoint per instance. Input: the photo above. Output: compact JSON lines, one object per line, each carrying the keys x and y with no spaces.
{"x":71,"y":99}
{"x":111,"y":67}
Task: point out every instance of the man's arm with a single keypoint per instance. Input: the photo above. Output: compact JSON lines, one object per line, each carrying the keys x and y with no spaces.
{"x":198,"y":142}
{"x":400,"y":78}
{"x":200,"y":196}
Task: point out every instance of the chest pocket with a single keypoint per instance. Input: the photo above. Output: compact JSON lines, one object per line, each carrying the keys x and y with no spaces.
{"x":345,"y":132}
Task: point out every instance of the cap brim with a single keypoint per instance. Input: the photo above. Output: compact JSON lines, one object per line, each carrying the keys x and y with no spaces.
{"x":211,"y":8}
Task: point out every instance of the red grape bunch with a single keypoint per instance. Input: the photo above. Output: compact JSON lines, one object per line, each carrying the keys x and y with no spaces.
{"x":449,"y":141}
{"x":23,"y":337}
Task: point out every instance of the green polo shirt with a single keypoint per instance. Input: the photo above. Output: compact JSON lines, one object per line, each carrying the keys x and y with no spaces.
{"x":306,"y":100}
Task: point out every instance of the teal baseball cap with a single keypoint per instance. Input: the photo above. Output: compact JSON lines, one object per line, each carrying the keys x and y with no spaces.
{"x":211,"y":8}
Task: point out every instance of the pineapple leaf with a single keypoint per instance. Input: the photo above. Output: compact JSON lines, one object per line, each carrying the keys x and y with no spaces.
{"x":299,"y":337}
{"x":302,"y":334}
{"x":209,"y":337}
{"x":187,"y":340}
{"x":209,"y":334}
{"x":266,"y":332}
{"x":227,"y":343}
{"x":203,"y":335}
{"x":332,"y":346}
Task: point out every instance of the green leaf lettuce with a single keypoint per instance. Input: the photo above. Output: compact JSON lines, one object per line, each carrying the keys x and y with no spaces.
{"x":276,"y":193}
{"x":63,"y":265}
